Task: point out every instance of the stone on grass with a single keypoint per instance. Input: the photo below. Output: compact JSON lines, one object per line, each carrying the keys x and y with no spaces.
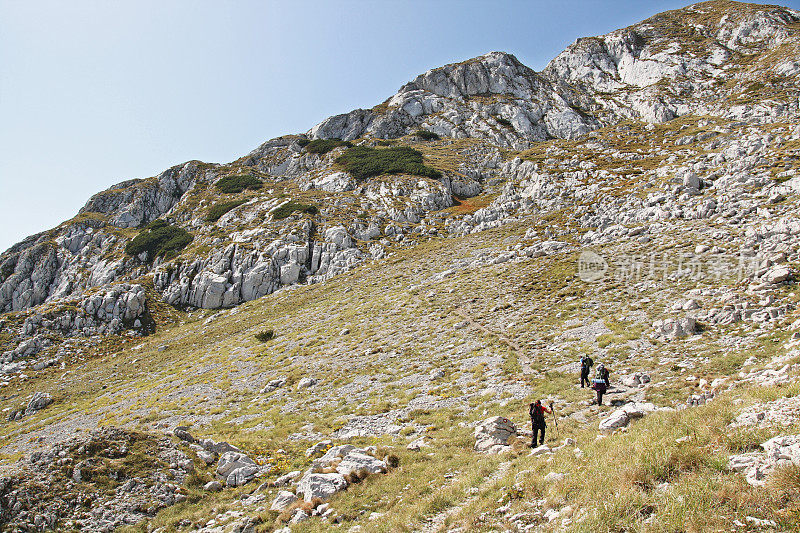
{"x":283,"y":500}
{"x":319,"y":447}
{"x":39,"y":401}
{"x":321,"y":486}
{"x":236,"y":468}
{"x":675,"y":328}
{"x":355,"y":462}
{"x":299,"y":516}
{"x":554,"y":477}
{"x":287,"y":479}
{"x":416,"y":445}
{"x":182,"y":432}
{"x":617,"y":419}
{"x":306,"y":383}
{"x":213,"y":486}
{"x":492,"y":432}
{"x":540,"y":450}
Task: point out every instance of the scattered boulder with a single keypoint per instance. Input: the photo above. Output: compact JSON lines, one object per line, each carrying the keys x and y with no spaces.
{"x":493,"y":432}
{"x":357,"y":462}
{"x":416,"y":445}
{"x":777,"y":274}
{"x":637,"y":379}
{"x":621,"y":417}
{"x":39,"y":401}
{"x":273,"y":385}
{"x":675,"y":328}
{"x":541,"y":450}
{"x":212,"y":486}
{"x":299,"y":516}
{"x":236,"y":468}
{"x":287,"y":479}
{"x":319,"y":447}
{"x":283,"y":500}
{"x":306,"y":383}
{"x":182,"y":432}
{"x":321,"y":486}
{"x":554,"y":477}
{"x":778,"y":451}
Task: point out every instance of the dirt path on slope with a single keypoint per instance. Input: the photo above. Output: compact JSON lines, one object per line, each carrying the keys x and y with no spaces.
{"x":511,"y":344}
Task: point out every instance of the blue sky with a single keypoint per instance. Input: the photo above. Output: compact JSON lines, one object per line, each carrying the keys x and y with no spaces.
{"x":96,"y":92}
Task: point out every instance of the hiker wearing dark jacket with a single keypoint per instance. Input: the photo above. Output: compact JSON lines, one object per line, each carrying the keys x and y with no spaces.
{"x":600,"y":383}
{"x":599,"y":386}
{"x":586,"y":366}
{"x":537,"y":411}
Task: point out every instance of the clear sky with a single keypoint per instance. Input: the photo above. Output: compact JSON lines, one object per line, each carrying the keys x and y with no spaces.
{"x":96,"y":92}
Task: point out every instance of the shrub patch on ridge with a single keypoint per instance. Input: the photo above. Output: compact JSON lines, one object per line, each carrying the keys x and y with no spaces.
{"x":159,"y":239}
{"x":363,"y":162}
{"x":237,"y":183}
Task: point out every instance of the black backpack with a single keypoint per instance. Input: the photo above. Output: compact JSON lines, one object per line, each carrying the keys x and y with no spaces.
{"x":537,"y":415}
{"x":587,"y":362}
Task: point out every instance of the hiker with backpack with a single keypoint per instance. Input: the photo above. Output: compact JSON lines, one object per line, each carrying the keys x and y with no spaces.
{"x":602,"y":373}
{"x":600,"y":383}
{"x":586,"y":366}
{"x":537,"y":411}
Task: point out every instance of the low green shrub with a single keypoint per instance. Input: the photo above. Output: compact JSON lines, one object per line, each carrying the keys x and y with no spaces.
{"x":303,"y":142}
{"x":363,"y":162}
{"x":217,"y":210}
{"x":265,"y":336}
{"x":323,"y":146}
{"x":290,"y":207}
{"x":159,"y":239}
{"x":426,"y":135}
{"x":237,"y":183}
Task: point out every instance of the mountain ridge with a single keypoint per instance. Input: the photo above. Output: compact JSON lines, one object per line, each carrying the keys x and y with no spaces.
{"x":265,"y":326}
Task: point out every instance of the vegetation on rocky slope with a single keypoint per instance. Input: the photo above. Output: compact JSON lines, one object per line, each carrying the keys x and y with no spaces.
{"x":159,"y":239}
{"x":363,"y":162}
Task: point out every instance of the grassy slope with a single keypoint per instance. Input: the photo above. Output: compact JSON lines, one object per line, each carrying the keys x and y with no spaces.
{"x":402,"y":325}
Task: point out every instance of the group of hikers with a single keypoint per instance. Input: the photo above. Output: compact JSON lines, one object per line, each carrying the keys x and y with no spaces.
{"x":599,"y":384}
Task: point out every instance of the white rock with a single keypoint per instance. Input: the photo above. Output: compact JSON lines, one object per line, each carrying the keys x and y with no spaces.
{"x":617,"y":419}
{"x":287,"y":479}
{"x":492,"y":432}
{"x":540,"y":450}
{"x":283,"y":500}
{"x":236,"y":468}
{"x":321,"y":486}
{"x":354,"y":462}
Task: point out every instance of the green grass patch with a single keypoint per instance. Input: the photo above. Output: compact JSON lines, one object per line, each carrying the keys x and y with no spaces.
{"x":426,"y":135}
{"x":265,"y":336}
{"x":159,"y":239}
{"x":291,"y":207}
{"x":217,"y":210}
{"x":363,"y":162}
{"x":323,"y":146}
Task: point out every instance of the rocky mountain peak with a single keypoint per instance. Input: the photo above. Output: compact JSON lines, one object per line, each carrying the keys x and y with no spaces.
{"x":492,"y":73}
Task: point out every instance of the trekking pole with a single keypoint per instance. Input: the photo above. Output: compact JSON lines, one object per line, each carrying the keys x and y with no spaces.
{"x":554,"y":419}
